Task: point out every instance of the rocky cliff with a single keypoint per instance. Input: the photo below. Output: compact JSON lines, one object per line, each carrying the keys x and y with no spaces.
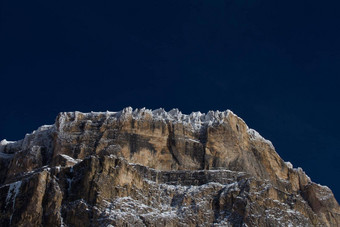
{"x":155,"y":168}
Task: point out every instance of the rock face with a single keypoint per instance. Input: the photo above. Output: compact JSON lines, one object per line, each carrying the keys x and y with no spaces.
{"x":155,"y":168}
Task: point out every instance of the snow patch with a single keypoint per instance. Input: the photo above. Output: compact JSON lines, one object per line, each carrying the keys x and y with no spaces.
{"x":13,"y":188}
{"x":70,"y":159}
{"x":195,"y":120}
{"x":5,"y":142}
{"x":192,"y":140}
{"x":6,"y":145}
{"x":289,"y":165}
{"x":254,"y":135}
{"x":40,"y":137}
{"x":324,"y":187}
{"x":12,"y":194}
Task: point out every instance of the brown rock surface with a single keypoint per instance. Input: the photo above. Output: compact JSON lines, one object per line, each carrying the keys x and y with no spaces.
{"x":155,"y":168}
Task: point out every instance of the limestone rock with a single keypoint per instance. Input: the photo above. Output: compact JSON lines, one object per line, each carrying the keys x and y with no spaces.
{"x":155,"y":168}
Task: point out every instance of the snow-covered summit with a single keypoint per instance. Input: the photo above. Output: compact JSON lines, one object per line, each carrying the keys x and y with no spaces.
{"x":195,"y":119}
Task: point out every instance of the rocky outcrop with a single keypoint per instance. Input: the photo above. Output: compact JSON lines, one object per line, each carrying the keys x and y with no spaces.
{"x":155,"y":168}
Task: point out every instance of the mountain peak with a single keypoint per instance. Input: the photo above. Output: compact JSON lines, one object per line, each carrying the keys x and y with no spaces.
{"x":148,"y":167}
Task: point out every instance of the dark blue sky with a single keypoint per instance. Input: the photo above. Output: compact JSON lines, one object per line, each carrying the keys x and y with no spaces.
{"x":274,"y":63}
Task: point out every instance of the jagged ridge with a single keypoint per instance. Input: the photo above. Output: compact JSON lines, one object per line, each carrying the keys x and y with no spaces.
{"x":82,"y":169}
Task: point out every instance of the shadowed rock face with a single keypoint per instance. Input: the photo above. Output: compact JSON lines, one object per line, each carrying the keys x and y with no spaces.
{"x":155,"y":168}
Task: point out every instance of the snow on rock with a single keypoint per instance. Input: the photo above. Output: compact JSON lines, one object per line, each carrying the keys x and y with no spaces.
{"x":5,"y":142}
{"x":12,"y":193}
{"x":192,"y":140}
{"x":10,"y":145}
{"x":68,"y":158}
{"x":40,"y":137}
{"x":205,"y":197}
{"x":289,"y":165}
{"x":196,"y":120}
{"x":254,"y":135}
